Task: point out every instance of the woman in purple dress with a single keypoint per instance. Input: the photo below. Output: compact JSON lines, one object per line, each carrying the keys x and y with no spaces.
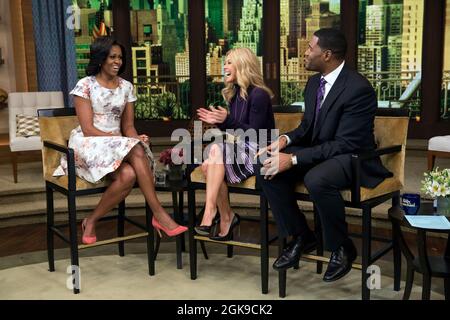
{"x":248,"y":99}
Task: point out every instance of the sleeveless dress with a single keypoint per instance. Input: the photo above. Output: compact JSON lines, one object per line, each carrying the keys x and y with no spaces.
{"x":97,"y":156}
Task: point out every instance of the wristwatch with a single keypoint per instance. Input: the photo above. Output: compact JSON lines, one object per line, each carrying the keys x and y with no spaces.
{"x":294,"y":160}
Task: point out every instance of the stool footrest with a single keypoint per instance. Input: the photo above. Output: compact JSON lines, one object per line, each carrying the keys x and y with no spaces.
{"x":113,"y":240}
{"x":233,"y":243}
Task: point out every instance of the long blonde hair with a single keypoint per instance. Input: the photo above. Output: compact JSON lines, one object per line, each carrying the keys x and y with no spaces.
{"x":248,"y":72}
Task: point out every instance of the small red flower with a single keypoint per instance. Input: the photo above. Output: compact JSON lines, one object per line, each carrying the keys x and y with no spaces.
{"x":165,"y":157}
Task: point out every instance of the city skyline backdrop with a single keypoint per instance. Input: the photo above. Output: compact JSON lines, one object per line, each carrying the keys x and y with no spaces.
{"x":389,"y":38}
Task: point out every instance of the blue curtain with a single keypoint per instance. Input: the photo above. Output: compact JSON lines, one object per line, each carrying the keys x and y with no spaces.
{"x":55,"y":47}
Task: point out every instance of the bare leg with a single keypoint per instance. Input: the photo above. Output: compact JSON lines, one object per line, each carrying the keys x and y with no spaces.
{"x":123,"y":180}
{"x":140,"y":163}
{"x":226,"y":214}
{"x":216,"y":188}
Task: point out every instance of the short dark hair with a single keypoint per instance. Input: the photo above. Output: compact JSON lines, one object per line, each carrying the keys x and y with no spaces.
{"x":100,"y":49}
{"x":333,"y":40}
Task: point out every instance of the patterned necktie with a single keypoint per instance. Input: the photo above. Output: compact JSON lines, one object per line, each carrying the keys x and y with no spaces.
{"x":320,"y":94}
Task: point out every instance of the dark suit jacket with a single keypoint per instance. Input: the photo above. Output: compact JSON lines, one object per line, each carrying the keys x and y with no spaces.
{"x":344,"y":126}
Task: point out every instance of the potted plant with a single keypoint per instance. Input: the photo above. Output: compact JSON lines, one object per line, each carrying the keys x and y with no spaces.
{"x":437,"y":185}
{"x":172,"y":159}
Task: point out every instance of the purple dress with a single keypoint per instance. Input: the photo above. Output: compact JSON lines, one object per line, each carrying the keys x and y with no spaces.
{"x":253,"y":113}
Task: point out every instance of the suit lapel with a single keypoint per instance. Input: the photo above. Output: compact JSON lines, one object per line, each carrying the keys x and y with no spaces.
{"x":336,"y":89}
{"x":310,"y":101}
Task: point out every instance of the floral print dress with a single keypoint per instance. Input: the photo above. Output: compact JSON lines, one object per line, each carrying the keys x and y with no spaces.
{"x":97,"y":156}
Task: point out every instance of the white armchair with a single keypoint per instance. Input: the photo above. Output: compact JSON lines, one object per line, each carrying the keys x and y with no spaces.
{"x":438,"y":146}
{"x":27,"y":103}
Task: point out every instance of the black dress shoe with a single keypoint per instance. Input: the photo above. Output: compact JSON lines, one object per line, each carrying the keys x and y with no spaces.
{"x":340,"y":262}
{"x":236,"y":220}
{"x":293,"y":251}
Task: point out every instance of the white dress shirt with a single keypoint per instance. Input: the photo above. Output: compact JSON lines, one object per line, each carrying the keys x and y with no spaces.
{"x":331,"y":79}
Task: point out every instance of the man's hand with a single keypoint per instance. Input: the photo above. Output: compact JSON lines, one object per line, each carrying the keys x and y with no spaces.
{"x":274,"y":147}
{"x":213,"y":116}
{"x":276,"y":164}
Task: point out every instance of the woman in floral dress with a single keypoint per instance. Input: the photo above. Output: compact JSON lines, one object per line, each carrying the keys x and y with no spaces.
{"x":106,"y":142}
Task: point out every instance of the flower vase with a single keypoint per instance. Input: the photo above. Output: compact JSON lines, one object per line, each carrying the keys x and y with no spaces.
{"x":443,"y":206}
{"x":175,"y":173}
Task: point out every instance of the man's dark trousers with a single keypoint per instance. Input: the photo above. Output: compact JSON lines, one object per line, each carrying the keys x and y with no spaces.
{"x":324,"y":182}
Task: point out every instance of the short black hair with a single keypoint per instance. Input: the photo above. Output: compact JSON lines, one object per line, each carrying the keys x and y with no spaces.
{"x":333,"y":40}
{"x":100,"y":49}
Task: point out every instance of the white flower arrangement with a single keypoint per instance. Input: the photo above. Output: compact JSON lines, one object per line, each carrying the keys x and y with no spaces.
{"x":437,"y":183}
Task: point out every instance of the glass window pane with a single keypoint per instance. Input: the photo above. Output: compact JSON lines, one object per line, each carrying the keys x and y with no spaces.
{"x":390,"y":50}
{"x":160,"y":58}
{"x":95,"y":19}
{"x":299,"y":19}
{"x":445,"y":104}
{"x":229,"y":24}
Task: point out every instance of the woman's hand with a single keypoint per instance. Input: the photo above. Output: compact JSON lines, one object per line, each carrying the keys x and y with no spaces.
{"x":213,"y":116}
{"x":144,"y":138}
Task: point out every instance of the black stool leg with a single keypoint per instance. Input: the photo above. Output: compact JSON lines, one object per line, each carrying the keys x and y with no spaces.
{"x":396,"y":249}
{"x":447,"y":288}
{"x":182,"y":221}
{"x":366,"y":250}
{"x":71,"y":204}
{"x":282,"y":273}
{"x":409,"y":281}
{"x":158,"y":243}
{"x":178,"y":219}
{"x":121,"y":227}
{"x":264,"y":227}
{"x":426,"y":287}
{"x":150,"y":240}
{"x":50,"y":234}
{"x":230,"y":251}
{"x":205,"y":254}
{"x":424,"y":266}
{"x":319,"y":237}
{"x":192,"y":241}
{"x":230,"y":247}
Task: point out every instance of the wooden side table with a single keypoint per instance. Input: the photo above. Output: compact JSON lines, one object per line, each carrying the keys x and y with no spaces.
{"x":4,"y":146}
{"x":5,"y":153}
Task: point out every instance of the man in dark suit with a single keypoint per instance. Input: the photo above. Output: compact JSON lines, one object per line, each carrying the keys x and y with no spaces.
{"x":340,"y":107}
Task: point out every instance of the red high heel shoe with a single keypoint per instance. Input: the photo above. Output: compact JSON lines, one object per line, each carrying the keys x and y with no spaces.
{"x":87,"y":239}
{"x":171,"y":233}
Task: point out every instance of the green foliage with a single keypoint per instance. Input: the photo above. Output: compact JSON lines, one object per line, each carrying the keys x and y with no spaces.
{"x":143,"y":109}
{"x":214,"y":93}
{"x":159,"y":106}
{"x":290,"y":92}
